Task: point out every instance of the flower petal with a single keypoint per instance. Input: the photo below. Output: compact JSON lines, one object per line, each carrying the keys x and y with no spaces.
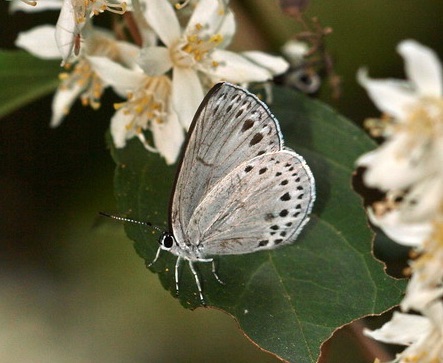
{"x":419,"y":294}
{"x":161,"y":17}
{"x":423,"y":67}
{"x":237,"y":69}
{"x":390,"y":96}
{"x":423,"y":200}
{"x":394,"y":164}
{"x":155,"y":61}
{"x":227,"y":29}
{"x":275,"y":65}
{"x":168,"y":137}
{"x":435,"y":313}
{"x":17,"y":5}
{"x":187,"y":93}
{"x":128,"y":53}
{"x":39,"y":41}
{"x":207,"y":12}
{"x":66,"y":30}
{"x":403,"y":329}
{"x":114,"y":74}
{"x":120,"y":133}
{"x":295,"y":51}
{"x":62,"y":102}
{"x":407,"y":234}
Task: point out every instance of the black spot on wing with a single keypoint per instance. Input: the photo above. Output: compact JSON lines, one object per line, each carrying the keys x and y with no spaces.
{"x":284,"y":213}
{"x":285,"y":197}
{"x":256,"y":139}
{"x":247,"y":124}
{"x":263,"y":243}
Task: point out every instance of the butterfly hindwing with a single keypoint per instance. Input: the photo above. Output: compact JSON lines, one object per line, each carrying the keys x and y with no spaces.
{"x":261,"y":204}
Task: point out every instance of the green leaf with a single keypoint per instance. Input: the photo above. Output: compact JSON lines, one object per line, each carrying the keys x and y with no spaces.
{"x":289,"y":300}
{"x":25,"y":78}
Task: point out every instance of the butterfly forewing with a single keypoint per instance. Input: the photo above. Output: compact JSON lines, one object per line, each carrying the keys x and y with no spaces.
{"x":230,"y":127}
{"x":261,"y":204}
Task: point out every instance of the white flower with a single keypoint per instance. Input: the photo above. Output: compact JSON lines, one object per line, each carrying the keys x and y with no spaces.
{"x":409,"y":161}
{"x":67,"y":32}
{"x":417,"y":108}
{"x":148,"y":107}
{"x":81,"y":81}
{"x":39,"y":41}
{"x":74,"y":16}
{"x":426,"y":285}
{"x":407,"y":234}
{"x":403,"y":329}
{"x":422,"y":334}
{"x":195,"y":55}
{"x":408,"y":167}
{"x":295,"y":51}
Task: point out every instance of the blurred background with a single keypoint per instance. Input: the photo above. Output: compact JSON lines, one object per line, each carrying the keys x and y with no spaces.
{"x":72,"y":288}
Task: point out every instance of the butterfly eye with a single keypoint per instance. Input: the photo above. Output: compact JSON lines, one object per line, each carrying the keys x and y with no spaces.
{"x":166,"y":241}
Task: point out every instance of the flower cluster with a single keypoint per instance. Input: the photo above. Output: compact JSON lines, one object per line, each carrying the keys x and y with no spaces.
{"x":180,"y":55}
{"x":408,"y":168}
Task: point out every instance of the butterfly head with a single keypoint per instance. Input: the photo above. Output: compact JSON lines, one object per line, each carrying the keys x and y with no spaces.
{"x":167,"y":241}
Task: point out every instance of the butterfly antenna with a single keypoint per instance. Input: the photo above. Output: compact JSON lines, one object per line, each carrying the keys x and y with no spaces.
{"x":124,"y":219}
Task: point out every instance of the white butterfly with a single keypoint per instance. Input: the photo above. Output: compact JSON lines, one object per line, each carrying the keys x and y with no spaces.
{"x":238,"y":189}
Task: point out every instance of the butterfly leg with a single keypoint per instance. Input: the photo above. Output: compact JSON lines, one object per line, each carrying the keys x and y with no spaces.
{"x":177,"y":266}
{"x":156,"y":257}
{"x":214,"y":272}
{"x":197,"y":281}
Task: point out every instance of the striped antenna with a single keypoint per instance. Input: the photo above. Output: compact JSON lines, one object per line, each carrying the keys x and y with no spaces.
{"x":124,"y":219}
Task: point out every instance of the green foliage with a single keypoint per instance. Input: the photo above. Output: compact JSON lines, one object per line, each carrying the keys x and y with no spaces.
{"x":25,"y":78}
{"x":289,"y":300}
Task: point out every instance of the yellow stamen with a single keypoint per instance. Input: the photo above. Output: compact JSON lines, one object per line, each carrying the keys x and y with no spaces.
{"x":119,"y":105}
{"x":30,"y":2}
{"x":83,"y":8}
{"x":63,"y":76}
{"x":179,"y":6}
{"x":216,"y":38}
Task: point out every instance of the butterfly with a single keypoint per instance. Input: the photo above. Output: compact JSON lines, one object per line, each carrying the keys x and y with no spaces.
{"x":238,"y":189}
